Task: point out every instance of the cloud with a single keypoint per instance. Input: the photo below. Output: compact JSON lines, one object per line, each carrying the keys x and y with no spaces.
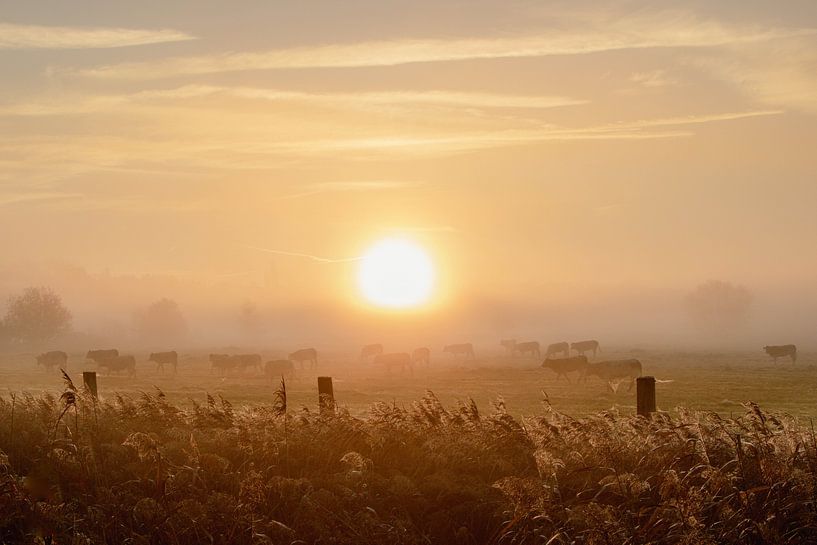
{"x":34,"y":198}
{"x":251,"y":144}
{"x":782,"y":75}
{"x":476,"y":140}
{"x":655,"y":30}
{"x":327,"y":187}
{"x":306,"y":256}
{"x":654,"y":78}
{"x":102,"y":103}
{"x":14,"y":36}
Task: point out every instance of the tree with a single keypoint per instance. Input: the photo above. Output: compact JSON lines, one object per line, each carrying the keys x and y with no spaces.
{"x":36,"y":315}
{"x":719,"y":306}
{"x":161,"y":322}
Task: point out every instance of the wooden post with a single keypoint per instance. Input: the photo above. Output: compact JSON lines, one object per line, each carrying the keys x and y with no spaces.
{"x":89,"y":380}
{"x":645,"y":394}
{"x":326,"y":395}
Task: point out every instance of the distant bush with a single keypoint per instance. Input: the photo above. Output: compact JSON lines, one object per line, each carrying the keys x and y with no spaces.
{"x":144,"y":471}
{"x":162,"y":322}
{"x":36,"y":315}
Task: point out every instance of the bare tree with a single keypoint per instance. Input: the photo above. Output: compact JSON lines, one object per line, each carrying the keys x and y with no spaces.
{"x":161,"y":322}
{"x":36,"y":315}
{"x":719,"y":306}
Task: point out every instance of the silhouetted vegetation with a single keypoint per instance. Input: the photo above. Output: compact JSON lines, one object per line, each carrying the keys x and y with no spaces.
{"x":35,"y":316}
{"x":719,"y":306}
{"x":142,"y":470}
{"x":161,"y":322}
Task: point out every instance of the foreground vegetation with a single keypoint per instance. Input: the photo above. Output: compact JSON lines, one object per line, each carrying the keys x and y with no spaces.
{"x":142,"y":470}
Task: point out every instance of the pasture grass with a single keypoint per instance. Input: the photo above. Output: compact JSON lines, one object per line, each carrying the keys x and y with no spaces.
{"x":710,"y":381}
{"x":142,"y":469}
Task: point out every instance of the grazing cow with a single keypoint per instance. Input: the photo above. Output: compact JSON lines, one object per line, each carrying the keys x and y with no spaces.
{"x":397,"y":359}
{"x":558,"y":348}
{"x":305,"y":354}
{"x":279,"y":368}
{"x":371,"y":350}
{"x":243,"y":361}
{"x":531,"y":347}
{"x":55,"y":358}
{"x":508,"y":344}
{"x":586,"y":346}
{"x":782,"y":351}
{"x":563,"y":366}
{"x":99,"y":355}
{"x":161,"y":358}
{"x":222,"y":363}
{"x":421,"y":355}
{"x":116,"y":364}
{"x":615,"y":371}
{"x":466,"y":349}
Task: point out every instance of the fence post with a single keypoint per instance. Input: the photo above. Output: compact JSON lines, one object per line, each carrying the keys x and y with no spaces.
{"x":645,"y":395}
{"x":89,"y":380}
{"x":326,"y":395}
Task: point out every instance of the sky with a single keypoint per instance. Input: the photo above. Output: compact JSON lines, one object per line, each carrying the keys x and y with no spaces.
{"x":565,"y":158}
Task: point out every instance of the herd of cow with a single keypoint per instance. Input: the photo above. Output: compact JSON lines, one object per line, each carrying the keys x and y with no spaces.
{"x":109,"y":360}
{"x":611,"y":372}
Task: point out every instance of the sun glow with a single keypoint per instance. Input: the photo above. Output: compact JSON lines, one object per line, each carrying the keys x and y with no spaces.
{"x":396,"y":273}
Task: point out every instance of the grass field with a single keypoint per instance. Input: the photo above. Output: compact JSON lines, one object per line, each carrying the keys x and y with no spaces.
{"x":709,"y":381}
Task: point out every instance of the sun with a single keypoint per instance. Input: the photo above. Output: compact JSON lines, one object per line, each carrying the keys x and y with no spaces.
{"x":396,"y":273}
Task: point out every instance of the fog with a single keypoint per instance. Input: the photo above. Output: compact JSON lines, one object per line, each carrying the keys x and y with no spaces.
{"x":105,"y":307}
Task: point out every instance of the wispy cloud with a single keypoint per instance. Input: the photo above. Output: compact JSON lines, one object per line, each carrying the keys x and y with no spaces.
{"x":13,"y":36}
{"x":655,"y":30}
{"x":311,"y":257}
{"x":328,"y":187}
{"x":101,"y":103}
{"x":781,"y":76}
{"x":654,"y":78}
{"x":247,"y":144}
{"x":34,"y":198}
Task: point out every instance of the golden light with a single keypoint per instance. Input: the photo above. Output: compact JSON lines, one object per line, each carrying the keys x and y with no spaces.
{"x":396,"y":273}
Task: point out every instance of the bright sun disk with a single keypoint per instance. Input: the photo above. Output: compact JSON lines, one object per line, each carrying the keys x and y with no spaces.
{"x":396,"y":273}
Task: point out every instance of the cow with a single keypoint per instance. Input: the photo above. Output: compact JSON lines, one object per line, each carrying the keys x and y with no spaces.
{"x":508,"y":345}
{"x":370,"y":350}
{"x":563,"y":366}
{"x":279,"y":368}
{"x":99,"y":355}
{"x":782,"y":351}
{"x":558,"y":348}
{"x":421,"y":355}
{"x":55,"y":358}
{"x":161,"y":358}
{"x":243,"y":361}
{"x":466,"y":349}
{"x":305,"y":354}
{"x":221,"y":363}
{"x":586,"y":346}
{"x":531,"y":347}
{"x":117,"y":364}
{"x":397,"y":359}
{"x":615,"y":371}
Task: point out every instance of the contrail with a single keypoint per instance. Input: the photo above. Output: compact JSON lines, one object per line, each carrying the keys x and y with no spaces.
{"x":307,"y":256}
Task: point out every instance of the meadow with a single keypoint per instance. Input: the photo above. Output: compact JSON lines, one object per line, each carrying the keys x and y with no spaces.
{"x":494,"y":450}
{"x":708,"y":381}
{"x":140,"y":469}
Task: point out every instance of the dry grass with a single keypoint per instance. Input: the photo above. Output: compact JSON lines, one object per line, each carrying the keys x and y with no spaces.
{"x":143,"y":470}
